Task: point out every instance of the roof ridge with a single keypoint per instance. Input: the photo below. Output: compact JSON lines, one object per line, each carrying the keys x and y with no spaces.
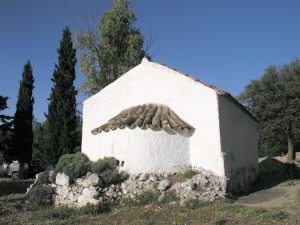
{"x":216,"y":89}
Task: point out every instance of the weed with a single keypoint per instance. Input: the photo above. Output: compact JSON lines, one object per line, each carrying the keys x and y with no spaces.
{"x":170,"y":196}
{"x":58,"y":213}
{"x":277,"y":215}
{"x":195,"y":203}
{"x":90,"y":209}
{"x":259,"y":210}
{"x":290,"y":183}
{"x":188,"y":171}
{"x":146,"y":198}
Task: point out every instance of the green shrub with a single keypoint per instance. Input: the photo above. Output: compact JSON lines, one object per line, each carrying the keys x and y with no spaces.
{"x":59,"y":213}
{"x":74,"y":165}
{"x":106,"y":168}
{"x":101,"y":165}
{"x":90,"y":209}
{"x":195,"y":203}
{"x":113,"y":177}
{"x":41,"y":195}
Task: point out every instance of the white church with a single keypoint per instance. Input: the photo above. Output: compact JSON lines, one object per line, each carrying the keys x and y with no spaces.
{"x":154,"y":119}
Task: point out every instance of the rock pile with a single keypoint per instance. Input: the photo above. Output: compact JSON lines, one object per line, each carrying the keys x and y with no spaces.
{"x":90,"y":189}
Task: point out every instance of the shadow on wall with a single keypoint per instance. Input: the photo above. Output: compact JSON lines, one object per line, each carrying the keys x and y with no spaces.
{"x":184,"y":132}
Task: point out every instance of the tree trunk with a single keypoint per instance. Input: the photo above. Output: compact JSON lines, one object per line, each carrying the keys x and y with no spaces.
{"x":290,"y":154}
{"x":21,"y":169}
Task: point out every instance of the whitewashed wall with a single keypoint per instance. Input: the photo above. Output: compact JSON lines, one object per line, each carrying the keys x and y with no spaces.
{"x":150,"y":82}
{"x":146,"y":150}
{"x":239,"y":144}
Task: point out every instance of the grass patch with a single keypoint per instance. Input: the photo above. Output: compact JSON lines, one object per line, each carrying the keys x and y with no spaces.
{"x":90,"y":209}
{"x":290,"y":183}
{"x":188,"y":171}
{"x":146,"y":198}
{"x":277,"y":215}
{"x":59,"y":213}
{"x":195,"y":203}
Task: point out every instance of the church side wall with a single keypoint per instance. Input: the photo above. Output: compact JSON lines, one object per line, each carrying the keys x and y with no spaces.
{"x":150,"y":82}
{"x":239,"y":145}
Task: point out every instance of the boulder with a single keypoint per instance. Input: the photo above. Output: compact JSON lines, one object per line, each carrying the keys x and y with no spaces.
{"x":163,"y":185}
{"x":62,"y":179}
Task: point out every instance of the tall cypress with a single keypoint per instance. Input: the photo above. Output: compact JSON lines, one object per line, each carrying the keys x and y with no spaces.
{"x":62,"y":107}
{"x":23,"y":119}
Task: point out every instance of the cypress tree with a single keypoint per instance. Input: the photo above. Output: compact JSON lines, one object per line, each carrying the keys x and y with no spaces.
{"x":61,"y":115}
{"x":23,"y":119}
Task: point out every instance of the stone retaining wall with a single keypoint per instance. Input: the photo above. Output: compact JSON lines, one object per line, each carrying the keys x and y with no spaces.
{"x":90,"y":189}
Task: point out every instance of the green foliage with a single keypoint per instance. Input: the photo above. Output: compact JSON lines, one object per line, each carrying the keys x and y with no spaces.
{"x":145,"y":198}
{"x":59,"y":213}
{"x":40,"y":140}
{"x":106,"y":168}
{"x":151,"y":197}
{"x":23,"y":118}
{"x":188,"y":171}
{"x":101,"y":165}
{"x":111,"y":50}
{"x":90,"y":209}
{"x":274,"y":101}
{"x":230,"y":198}
{"x":74,"y":165}
{"x":195,"y":203}
{"x":170,"y":196}
{"x":277,"y":215}
{"x":6,"y":133}
{"x":61,"y":117}
{"x":41,"y":195}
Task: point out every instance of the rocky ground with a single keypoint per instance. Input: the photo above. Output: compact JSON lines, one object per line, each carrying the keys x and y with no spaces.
{"x":272,"y":192}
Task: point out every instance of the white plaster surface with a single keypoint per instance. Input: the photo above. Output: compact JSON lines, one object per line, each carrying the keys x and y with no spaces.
{"x":148,"y":150}
{"x":239,"y":144}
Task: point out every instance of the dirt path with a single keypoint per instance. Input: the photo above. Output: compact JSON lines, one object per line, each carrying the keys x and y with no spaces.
{"x":273,"y":192}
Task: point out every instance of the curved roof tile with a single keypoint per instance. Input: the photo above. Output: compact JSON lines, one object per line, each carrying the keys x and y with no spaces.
{"x":149,"y":115}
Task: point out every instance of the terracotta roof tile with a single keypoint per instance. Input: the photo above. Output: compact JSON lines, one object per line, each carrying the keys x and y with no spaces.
{"x":149,"y":115}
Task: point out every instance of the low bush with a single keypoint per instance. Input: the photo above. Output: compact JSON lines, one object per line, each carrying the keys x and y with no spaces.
{"x":74,"y":165}
{"x":41,"y":195}
{"x":101,"y":165}
{"x":106,"y":168}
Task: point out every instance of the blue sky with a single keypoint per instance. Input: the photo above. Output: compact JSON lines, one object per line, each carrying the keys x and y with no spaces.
{"x":223,"y":43}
